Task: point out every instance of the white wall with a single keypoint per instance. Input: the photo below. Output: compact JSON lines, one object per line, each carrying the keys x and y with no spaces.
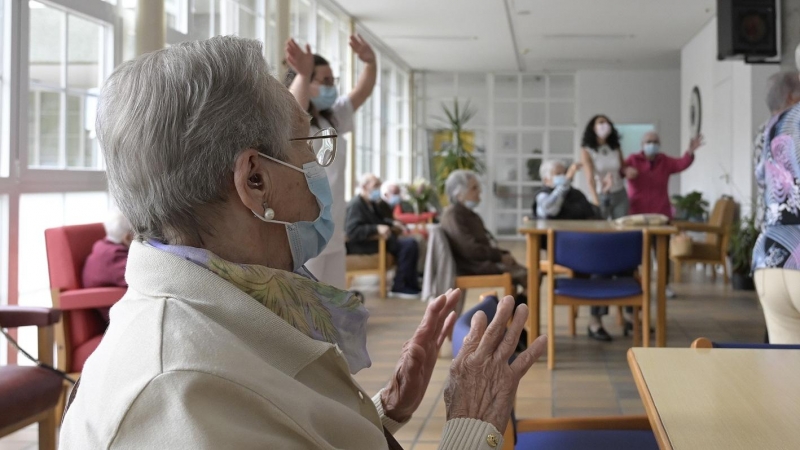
{"x":634,"y":96}
{"x":732,"y":95}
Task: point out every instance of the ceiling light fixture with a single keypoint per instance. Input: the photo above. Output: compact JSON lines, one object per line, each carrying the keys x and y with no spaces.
{"x":434,"y":38}
{"x":589,"y":36}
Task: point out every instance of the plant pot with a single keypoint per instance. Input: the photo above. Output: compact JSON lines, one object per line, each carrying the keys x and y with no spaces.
{"x":743,"y":282}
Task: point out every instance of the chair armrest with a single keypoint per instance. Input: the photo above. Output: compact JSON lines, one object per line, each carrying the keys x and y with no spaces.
{"x":90,"y":298}
{"x":700,"y":227}
{"x":23,"y":316}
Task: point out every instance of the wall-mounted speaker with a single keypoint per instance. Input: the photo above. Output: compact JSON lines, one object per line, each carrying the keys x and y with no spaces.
{"x":749,"y":30}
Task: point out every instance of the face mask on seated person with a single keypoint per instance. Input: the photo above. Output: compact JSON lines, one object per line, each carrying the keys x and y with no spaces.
{"x":560,"y":180}
{"x":471,"y":204}
{"x":651,"y":149}
{"x":326,"y":98}
{"x":375,"y":195}
{"x":394,"y":200}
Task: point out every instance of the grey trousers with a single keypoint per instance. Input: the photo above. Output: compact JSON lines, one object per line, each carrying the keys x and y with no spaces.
{"x":614,"y":204}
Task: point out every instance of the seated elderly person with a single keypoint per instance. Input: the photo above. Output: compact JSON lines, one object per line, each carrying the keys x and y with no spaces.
{"x":558,"y":199}
{"x":105,"y":265}
{"x":223,"y":340}
{"x":368,"y":217}
{"x":474,"y":249}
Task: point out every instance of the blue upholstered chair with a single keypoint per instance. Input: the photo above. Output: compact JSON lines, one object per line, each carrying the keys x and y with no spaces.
{"x":602,"y":255}
{"x":580,"y":433}
{"x":707,"y":343}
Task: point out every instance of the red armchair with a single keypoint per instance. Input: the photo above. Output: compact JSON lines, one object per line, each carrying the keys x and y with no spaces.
{"x":29,"y":394}
{"x":82,"y":327}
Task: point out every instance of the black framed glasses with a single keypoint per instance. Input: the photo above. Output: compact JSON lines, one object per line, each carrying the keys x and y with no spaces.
{"x":323,"y":145}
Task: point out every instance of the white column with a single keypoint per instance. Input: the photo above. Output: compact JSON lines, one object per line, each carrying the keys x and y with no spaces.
{"x":151,"y":26}
{"x":283,"y":17}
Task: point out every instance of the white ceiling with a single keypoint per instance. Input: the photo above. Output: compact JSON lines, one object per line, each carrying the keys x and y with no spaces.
{"x":533,"y":35}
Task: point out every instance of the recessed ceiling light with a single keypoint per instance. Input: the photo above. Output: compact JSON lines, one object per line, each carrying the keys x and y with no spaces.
{"x":434,"y":37}
{"x":588,"y":36}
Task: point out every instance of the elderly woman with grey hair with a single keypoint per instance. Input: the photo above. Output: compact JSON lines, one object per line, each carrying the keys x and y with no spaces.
{"x":474,"y":249}
{"x":223,"y":340}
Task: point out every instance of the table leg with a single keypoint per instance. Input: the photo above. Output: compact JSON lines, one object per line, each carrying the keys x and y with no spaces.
{"x":532,"y":249}
{"x":661,"y":291}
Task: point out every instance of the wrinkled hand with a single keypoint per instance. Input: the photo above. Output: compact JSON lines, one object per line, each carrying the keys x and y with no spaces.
{"x":405,"y":390}
{"x":696,"y":142}
{"x":630,"y":173}
{"x":362,"y":49}
{"x":573,"y":169}
{"x":482,"y":384}
{"x":301,"y":61}
{"x":400,"y":226}
{"x":384,"y":231}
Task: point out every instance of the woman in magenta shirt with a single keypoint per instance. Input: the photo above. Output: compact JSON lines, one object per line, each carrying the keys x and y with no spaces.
{"x":648,"y":183}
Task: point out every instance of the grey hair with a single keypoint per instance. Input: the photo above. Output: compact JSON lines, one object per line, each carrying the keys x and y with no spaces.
{"x":782,"y":86}
{"x":171,"y":124}
{"x":365,"y":178}
{"x":547,"y":167}
{"x":457,"y":182}
{"x":388,"y":185}
{"x":117,"y":227}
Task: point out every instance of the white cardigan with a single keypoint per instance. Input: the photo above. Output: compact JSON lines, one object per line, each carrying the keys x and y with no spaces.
{"x":191,"y":362}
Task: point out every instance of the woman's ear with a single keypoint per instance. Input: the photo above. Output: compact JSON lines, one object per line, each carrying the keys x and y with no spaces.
{"x":251,"y":180}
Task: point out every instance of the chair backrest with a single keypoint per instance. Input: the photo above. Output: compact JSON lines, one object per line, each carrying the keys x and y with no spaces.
{"x":461,"y":328}
{"x":67,"y":250}
{"x":706,"y":343}
{"x":721,"y":216}
{"x":599,"y":253}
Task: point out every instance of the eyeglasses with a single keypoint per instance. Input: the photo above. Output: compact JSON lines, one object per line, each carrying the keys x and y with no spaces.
{"x":323,"y":145}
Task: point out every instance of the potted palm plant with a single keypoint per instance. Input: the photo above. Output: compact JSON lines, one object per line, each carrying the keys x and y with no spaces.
{"x":740,"y":250}
{"x":691,"y":207}
{"x":457,"y":152}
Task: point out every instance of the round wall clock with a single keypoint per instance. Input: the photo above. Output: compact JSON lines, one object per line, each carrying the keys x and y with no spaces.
{"x":695,"y":112}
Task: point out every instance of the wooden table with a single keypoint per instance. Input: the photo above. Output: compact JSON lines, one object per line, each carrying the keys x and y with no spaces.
{"x":720,"y":398}
{"x":535,"y":229}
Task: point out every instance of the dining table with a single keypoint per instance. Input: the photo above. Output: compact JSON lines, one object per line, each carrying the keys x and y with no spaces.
{"x":536,"y":230}
{"x":719,"y":398}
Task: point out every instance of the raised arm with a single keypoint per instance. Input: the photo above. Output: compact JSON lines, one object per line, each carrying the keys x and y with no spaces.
{"x":366,"y":81}
{"x":302,"y":62}
{"x":586,"y":159}
{"x":680,"y":164}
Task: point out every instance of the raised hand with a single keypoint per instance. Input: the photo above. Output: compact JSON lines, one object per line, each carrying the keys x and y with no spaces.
{"x":301,"y":61}
{"x":405,"y":390}
{"x":696,"y":142}
{"x":482,"y":384}
{"x":362,"y":49}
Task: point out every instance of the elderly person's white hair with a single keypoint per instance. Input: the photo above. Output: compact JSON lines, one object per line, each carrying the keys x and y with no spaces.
{"x":387,"y":185}
{"x":458,"y":182}
{"x":547,"y":167}
{"x":365,"y":178}
{"x":117,"y":227}
{"x":782,"y":86}
{"x":172,"y":122}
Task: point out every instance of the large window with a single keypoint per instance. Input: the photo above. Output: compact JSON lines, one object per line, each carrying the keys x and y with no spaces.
{"x":68,"y":61}
{"x":243,"y":18}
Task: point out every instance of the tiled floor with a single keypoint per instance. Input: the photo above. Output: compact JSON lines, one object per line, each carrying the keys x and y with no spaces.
{"x":591,"y":378}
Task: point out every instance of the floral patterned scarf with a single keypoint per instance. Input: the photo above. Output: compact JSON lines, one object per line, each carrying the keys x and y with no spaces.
{"x":319,"y":311}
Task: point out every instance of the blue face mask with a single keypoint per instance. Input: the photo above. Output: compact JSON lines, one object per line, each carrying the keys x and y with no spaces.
{"x":375,"y":195}
{"x":651,"y":149}
{"x":560,"y":180}
{"x":326,"y":98}
{"x":307,"y":239}
{"x":471,"y":204}
{"x":394,"y":200}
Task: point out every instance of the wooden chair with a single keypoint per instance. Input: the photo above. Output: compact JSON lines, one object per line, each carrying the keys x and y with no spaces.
{"x":30,"y":394}
{"x":714,"y":250}
{"x":376,"y":264}
{"x":570,"y":249}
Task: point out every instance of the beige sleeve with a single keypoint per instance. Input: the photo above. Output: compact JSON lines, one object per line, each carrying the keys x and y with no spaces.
{"x":470,"y":434}
{"x":195,"y":410}
{"x":390,"y":425}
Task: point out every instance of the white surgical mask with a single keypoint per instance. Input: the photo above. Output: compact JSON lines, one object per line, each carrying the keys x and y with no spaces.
{"x":308,"y":239}
{"x":471,"y":204}
{"x":651,"y":149}
{"x":602,"y":130}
